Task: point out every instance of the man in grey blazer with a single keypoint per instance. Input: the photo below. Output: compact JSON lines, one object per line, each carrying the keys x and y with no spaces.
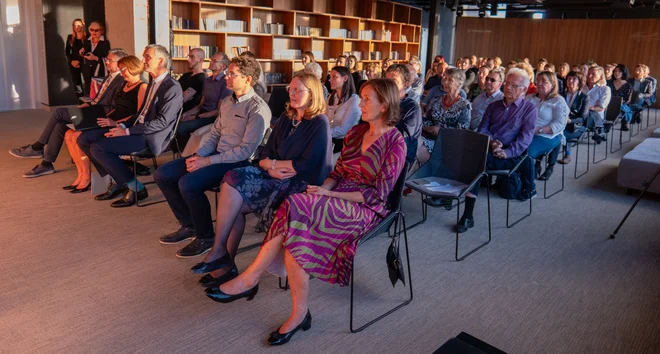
{"x":151,"y":127}
{"x":50,"y":142}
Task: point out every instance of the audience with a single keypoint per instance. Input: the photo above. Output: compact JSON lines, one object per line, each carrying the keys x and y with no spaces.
{"x":510,"y":125}
{"x":564,"y":69}
{"x":192,"y":83}
{"x":298,"y":153}
{"x":620,"y":87}
{"x":492,"y":93}
{"x":373,"y":71}
{"x":478,"y":86}
{"x":644,"y":87}
{"x":552,"y":115}
{"x":316,"y":69}
{"x":436,"y":78}
{"x":470,"y":77}
{"x":126,"y":103}
{"x":353,"y":66}
{"x":609,"y":71}
{"x":150,"y":128}
{"x":530,"y":74}
{"x":307,"y":57}
{"x":95,"y":51}
{"x":49,"y":144}
{"x":341,"y":61}
{"x":315,"y":234}
{"x":260,"y":86}
{"x":235,"y":135}
{"x":540,"y":65}
{"x":598,"y":97}
{"x":342,"y":105}
{"x":416,"y":89}
{"x":410,"y":124}
{"x":386,"y":63}
{"x":418,"y":82}
{"x":576,"y":100}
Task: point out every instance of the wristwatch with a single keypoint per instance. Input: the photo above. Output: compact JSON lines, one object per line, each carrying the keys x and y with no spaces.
{"x":540,"y":130}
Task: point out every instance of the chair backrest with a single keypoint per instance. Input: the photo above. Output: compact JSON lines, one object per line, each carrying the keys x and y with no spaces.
{"x":174,"y":128}
{"x":459,"y":155}
{"x":395,"y":196}
{"x":277,"y":101}
{"x":635,"y":97}
{"x":613,"y":108}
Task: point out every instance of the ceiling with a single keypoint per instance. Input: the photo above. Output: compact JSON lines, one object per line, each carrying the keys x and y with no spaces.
{"x":548,"y":5}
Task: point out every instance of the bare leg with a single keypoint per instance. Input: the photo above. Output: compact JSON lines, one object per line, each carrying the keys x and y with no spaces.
{"x":232,"y":205}
{"x":299,"y":284}
{"x":70,"y":143}
{"x":250,"y":277}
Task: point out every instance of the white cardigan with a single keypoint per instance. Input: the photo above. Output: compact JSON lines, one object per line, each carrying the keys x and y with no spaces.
{"x":553,"y":112}
{"x":344,"y":116}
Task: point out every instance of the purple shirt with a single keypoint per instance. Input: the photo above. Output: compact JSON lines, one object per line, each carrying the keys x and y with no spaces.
{"x":215,"y":90}
{"x":512,"y":125}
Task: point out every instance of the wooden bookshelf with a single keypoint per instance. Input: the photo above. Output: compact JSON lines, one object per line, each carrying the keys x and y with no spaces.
{"x":223,"y":24}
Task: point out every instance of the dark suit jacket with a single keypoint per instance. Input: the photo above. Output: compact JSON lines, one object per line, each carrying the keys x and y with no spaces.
{"x":579,"y":105}
{"x":646,"y":89}
{"x":161,"y":115}
{"x":109,"y":94}
{"x":102,"y":49}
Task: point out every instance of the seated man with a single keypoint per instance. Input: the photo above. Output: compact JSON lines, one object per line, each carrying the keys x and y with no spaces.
{"x":215,"y":90}
{"x":150,"y":128}
{"x":52,"y":137}
{"x":235,"y":135}
{"x":410,"y":124}
{"x":510,"y":124}
{"x":192,"y":83}
{"x":493,"y":82}
{"x":644,"y":86}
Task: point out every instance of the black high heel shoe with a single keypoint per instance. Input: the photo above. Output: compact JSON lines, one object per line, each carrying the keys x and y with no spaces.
{"x":70,"y":187}
{"x":203,"y":267}
{"x":216,"y":294}
{"x":76,"y":190}
{"x":208,"y":281}
{"x":277,"y":338}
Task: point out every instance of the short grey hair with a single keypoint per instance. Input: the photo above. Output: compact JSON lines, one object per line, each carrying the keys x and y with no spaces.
{"x":314,"y":68}
{"x":161,"y":52}
{"x":519,"y":72}
{"x":199,"y":52}
{"x":499,"y":73}
{"x":118,"y":52}
{"x":457,"y":74}
{"x":224,"y":59}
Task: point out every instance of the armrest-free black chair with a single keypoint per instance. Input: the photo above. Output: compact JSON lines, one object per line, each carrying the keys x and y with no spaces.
{"x":612,"y":117}
{"x":147,"y":154}
{"x":457,"y":164}
{"x":546,"y":156}
{"x":506,"y":174}
{"x":636,"y":110}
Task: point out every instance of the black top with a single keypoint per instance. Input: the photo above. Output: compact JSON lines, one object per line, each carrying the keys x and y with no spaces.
{"x":126,"y":103}
{"x":432,"y":82}
{"x":308,"y":146}
{"x":101,"y":51}
{"x":195,"y":82}
{"x":72,"y":51}
{"x":625,"y":91}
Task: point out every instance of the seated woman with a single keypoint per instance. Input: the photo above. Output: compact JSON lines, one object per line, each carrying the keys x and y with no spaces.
{"x":598,"y":98}
{"x":450,"y":110}
{"x":480,"y":86}
{"x":552,"y":115}
{"x":577,"y":104}
{"x":620,"y":87}
{"x":343,"y":110}
{"x":298,"y":153}
{"x":126,"y":102}
{"x":373,"y":71}
{"x":356,"y":73}
{"x":316,"y":233}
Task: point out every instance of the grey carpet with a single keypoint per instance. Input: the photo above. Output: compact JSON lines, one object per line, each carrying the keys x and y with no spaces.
{"x":80,"y":277}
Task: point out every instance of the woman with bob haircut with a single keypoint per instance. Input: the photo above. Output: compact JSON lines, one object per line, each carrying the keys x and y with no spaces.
{"x":343,"y":111}
{"x":316,"y":233}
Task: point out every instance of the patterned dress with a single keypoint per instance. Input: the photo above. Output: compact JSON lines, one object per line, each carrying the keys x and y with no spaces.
{"x":458,"y":116}
{"x":322,"y":232}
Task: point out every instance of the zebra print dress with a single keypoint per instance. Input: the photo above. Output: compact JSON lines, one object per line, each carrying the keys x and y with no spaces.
{"x":322,"y":232}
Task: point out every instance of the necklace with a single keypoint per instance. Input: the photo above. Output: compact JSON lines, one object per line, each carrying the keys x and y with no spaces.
{"x":444,"y":101}
{"x":296,"y":123}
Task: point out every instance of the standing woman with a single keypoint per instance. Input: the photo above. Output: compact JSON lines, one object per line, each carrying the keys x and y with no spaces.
{"x":343,"y":110}
{"x":598,"y":97}
{"x":94,"y":51}
{"x":316,"y":233}
{"x":622,"y":88}
{"x":74,"y":43}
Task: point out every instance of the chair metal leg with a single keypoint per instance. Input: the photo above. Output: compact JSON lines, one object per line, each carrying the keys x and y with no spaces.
{"x":457,"y":234}
{"x":153,"y":159}
{"x":507,"y":211}
{"x":425,"y":212}
{"x":545,"y":183}
{"x":577,"y":154}
{"x":620,"y":141}
{"x":594,"y":156}
{"x":410,"y":285}
{"x":284,"y":287}
{"x":648,"y":114}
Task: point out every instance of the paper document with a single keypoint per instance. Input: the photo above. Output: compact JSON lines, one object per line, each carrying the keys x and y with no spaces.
{"x":439,"y":187}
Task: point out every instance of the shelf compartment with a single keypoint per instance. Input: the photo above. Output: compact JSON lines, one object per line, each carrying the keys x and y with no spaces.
{"x":357,"y":8}
{"x":384,"y":11}
{"x":399,"y":48}
{"x":413,"y":49}
{"x":376,"y":26}
{"x":311,"y":20}
{"x":401,"y":13}
{"x":350,"y":24}
{"x":409,"y":32}
{"x":218,"y":13}
{"x":331,"y":48}
{"x":261,"y":46}
{"x":293,"y":5}
{"x":261,"y":3}
{"x":187,"y":11}
{"x":282,"y":44}
{"x":337,"y":7}
{"x":395,"y":28}
{"x":415,"y":16}
{"x":357,"y":46}
{"x":273,"y":16}
{"x":383,"y":47}
{"x":284,"y":69}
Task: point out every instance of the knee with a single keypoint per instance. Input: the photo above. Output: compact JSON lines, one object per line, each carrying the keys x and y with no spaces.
{"x":188,"y":186}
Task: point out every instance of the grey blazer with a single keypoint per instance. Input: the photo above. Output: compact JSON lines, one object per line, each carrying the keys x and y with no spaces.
{"x":109,"y":94}
{"x":161,"y":115}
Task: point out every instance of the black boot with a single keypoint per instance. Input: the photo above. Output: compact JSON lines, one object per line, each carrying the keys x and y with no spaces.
{"x":624,"y":126}
{"x":537,"y":169}
{"x":547,"y":173}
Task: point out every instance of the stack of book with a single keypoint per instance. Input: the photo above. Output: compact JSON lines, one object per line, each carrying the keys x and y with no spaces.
{"x":211,"y":24}
{"x":340,"y":33}
{"x":404,"y":38}
{"x":270,"y":28}
{"x":287,"y":54}
{"x":376,"y":55}
{"x":367,"y":35}
{"x":236,"y":51}
{"x":275,"y":78}
{"x":394,"y":55}
{"x":182,"y":51}
{"x":318,"y":54}
{"x":387,"y":36}
{"x":309,"y":31}
{"x":181,"y":23}
{"x":357,"y":54}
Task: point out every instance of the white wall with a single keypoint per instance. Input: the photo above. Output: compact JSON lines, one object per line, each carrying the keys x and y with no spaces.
{"x":127,"y":27}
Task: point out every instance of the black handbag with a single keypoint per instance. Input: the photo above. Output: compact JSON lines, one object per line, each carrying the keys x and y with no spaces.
{"x":394,"y":264}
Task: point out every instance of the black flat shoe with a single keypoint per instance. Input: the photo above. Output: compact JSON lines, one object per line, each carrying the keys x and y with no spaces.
{"x":203,"y":267}
{"x":70,"y":187}
{"x":113,"y":191}
{"x":546,"y":174}
{"x":130,"y":198}
{"x":208,"y":281}
{"x":76,"y":190}
{"x":464,"y":224}
{"x":217,"y":295}
{"x":277,"y":338}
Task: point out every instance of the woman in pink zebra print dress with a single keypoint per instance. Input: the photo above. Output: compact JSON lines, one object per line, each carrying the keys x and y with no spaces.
{"x":317,"y":232}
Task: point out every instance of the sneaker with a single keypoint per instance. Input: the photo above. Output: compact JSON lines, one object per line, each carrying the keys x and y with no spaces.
{"x":196,"y":248}
{"x":38,"y":171}
{"x":178,"y":236}
{"x":27,"y":152}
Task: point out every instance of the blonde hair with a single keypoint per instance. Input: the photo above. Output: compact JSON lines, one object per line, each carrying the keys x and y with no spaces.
{"x":316,"y":103}
{"x":550,"y":76}
{"x":374,"y":68}
{"x":601,"y":72}
{"x":133,"y":64}
{"x":527,"y":68}
{"x":73,"y":31}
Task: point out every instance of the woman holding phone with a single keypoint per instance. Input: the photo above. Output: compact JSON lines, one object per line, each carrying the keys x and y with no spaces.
{"x":74,"y":43}
{"x":95,"y":49}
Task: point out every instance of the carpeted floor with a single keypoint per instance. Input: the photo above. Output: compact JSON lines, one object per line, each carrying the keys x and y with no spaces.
{"x":80,"y":277}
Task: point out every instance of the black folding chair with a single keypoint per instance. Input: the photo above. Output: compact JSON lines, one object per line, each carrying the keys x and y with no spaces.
{"x":506,"y":174}
{"x":458,"y":162}
{"x":147,"y":154}
{"x":397,"y":219}
{"x":612,"y":117}
{"x":576,"y":143}
{"x":546,"y":157}
{"x":635,"y":98}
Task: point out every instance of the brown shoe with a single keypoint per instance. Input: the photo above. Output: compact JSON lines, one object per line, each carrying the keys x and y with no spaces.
{"x":565,"y":160}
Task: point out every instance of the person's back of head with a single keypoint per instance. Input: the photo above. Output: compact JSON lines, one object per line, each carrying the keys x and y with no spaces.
{"x":314,"y":68}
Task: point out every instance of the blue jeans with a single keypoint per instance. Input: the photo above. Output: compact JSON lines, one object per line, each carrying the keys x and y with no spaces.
{"x":541,"y":146}
{"x":579,"y":130}
{"x":184,"y":192}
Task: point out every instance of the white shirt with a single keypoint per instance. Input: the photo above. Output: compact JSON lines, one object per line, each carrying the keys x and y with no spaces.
{"x":599,"y":96}
{"x":105,"y":86}
{"x":553,"y":113}
{"x":155,"y":84}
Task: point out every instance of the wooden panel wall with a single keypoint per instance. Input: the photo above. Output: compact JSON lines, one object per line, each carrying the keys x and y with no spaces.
{"x":627,"y":42}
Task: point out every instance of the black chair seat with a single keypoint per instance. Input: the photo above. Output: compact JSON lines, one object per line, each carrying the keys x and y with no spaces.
{"x":498,"y":172}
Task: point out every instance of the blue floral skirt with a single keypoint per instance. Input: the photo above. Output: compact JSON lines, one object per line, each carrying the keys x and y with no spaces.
{"x":262,"y":193}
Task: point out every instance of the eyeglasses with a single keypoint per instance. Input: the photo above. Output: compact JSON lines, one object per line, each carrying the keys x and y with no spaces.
{"x":506,"y":84}
{"x":234,"y":75}
{"x":122,"y":69}
{"x":95,"y":30}
{"x":490,"y":79}
{"x":294,"y":91}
